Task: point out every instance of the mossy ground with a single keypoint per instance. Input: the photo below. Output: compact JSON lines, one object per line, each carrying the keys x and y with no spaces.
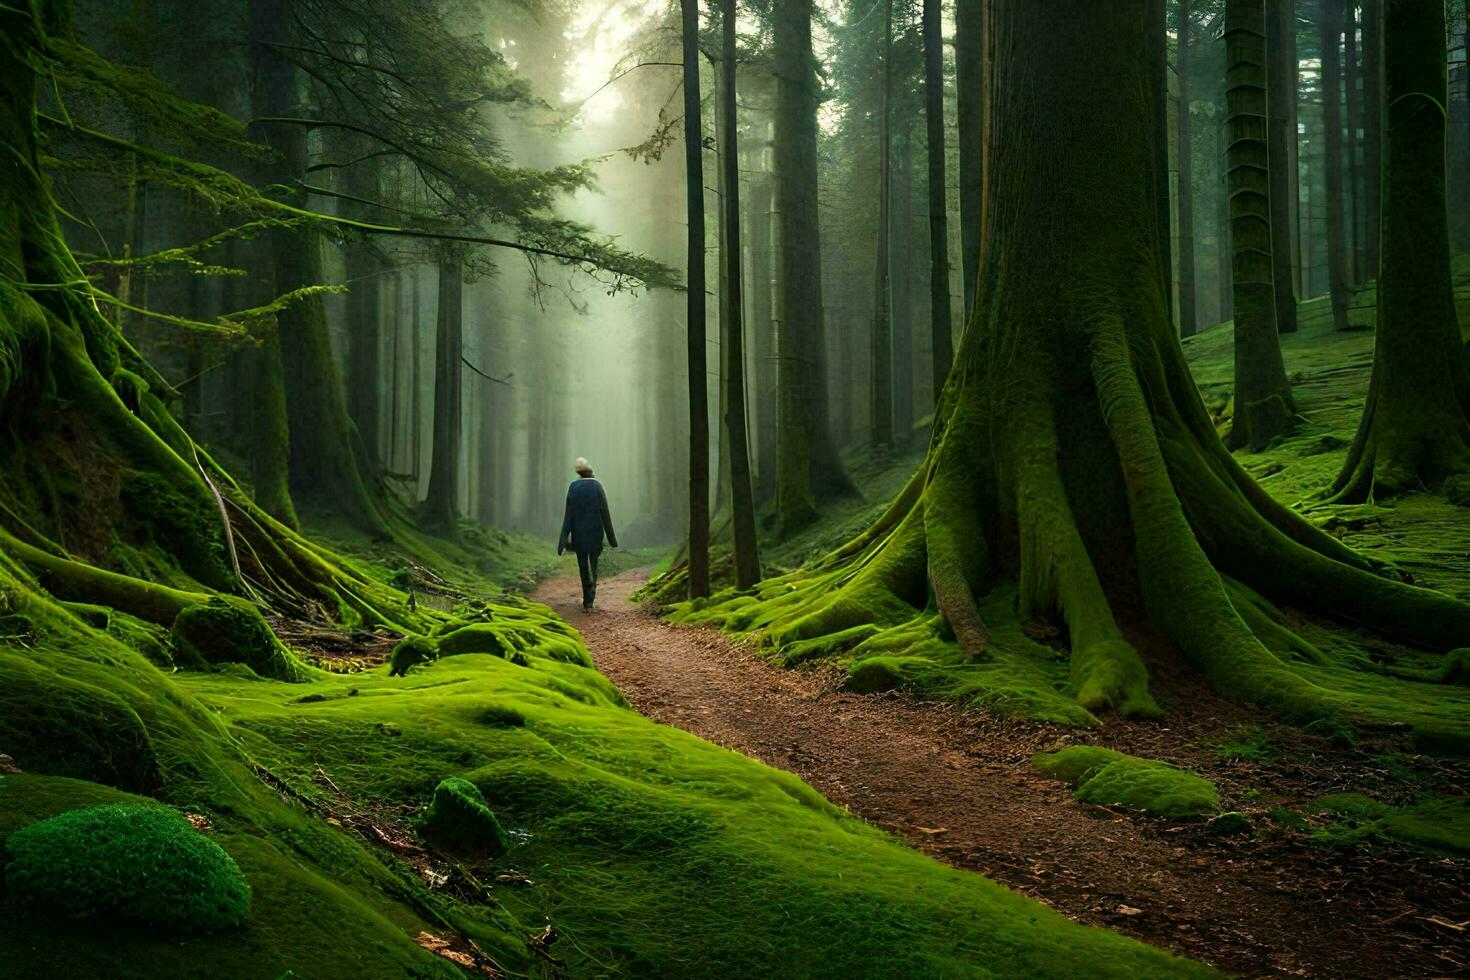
{"x":1024,"y":671}
{"x":651,"y":852}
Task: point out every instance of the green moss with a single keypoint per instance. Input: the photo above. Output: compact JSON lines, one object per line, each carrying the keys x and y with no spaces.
{"x":1111,"y":778}
{"x":226,"y":630}
{"x":1246,"y":743}
{"x":409,"y":653}
{"x":69,"y":727}
{"x":1439,"y":825}
{"x":140,"y":863}
{"x":883,"y":673}
{"x":184,"y":526}
{"x":460,"y":822}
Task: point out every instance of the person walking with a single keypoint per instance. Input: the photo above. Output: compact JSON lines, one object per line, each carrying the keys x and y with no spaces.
{"x":587,"y":520}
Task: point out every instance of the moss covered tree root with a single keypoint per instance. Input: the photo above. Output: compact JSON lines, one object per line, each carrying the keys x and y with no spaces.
{"x":1073,"y":460}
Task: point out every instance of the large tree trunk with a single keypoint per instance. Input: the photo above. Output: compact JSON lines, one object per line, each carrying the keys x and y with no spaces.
{"x":972,"y":88}
{"x":742,"y":496}
{"x":880,"y":430}
{"x":1352,"y":170}
{"x":326,"y":453}
{"x":694,"y":276}
{"x":763,"y":338}
{"x":1373,"y":130}
{"x":941,"y":320}
{"x":1281,"y":105}
{"x":365,"y":269}
{"x":441,"y":505}
{"x":1263,"y":406}
{"x":1414,"y":431}
{"x":1329,"y":29}
{"x":1156,"y":28}
{"x":807,"y":464}
{"x":1075,"y":476}
{"x":1188,"y":311}
{"x":901,"y":288}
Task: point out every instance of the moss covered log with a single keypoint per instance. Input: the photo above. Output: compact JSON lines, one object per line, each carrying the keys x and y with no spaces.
{"x":1076,"y":496}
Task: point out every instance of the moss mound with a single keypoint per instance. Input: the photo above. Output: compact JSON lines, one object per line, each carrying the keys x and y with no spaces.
{"x":409,"y":652}
{"x":459,"y":821}
{"x":1440,"y":825}
{"x":227,"y":629}
{"x":1111,"y":778}
{"x":137,"y":862}
{"x":64,"y":727}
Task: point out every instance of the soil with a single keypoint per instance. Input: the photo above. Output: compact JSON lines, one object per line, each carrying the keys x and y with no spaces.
{"x":957,"y":785}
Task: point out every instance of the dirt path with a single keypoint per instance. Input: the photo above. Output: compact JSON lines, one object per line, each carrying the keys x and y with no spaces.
{"x":956,"y":784}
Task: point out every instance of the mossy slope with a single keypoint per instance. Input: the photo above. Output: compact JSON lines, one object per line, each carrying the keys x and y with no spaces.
{"x":1111,"y":778}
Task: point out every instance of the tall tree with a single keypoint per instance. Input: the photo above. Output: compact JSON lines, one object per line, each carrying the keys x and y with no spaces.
{"x":1281,"y":84}
{"x":1329,"y":32}
{"x":1263,"y":406}
{"x":1156,"y":28}
{"x":1352,"y":166}
{"x":1188,"y":312}
{"x":698,"y":390}
{"x":742,"y":495}
{"x":1414,"y":432}
{"x":941,"y":328}
{"x":807,"y":463}
{"x":971,"y":92}
{"x":1373,"y":130}
{"x":441,"y":504}
{"x":880,"y":414}
{"x":1075,"y":476}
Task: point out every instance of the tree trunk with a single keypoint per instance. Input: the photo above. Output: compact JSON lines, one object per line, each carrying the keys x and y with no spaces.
{"x":1414,"y":431}
{"x":807,"y":464}
{"x":1074,"y":476}
{"x":941,"y":320}
{"x":1352,"y":170}
{"x":1281,"y":72}
{"x":972,"y":88}
{"x":742,"y":496}
{"x":694,"y":276}
{"x":1226,"y":297}
{"x":1263,"y":407}
{"x":880,"y":432}
{"x":1329,"y":28}
{"x":1188,"y":311}
{"x":364,"y":307}
{"x":901,"y":288}
{"x":763,"y":338}
{"x":1156,"y":28}
{"x":1373,"y":130}
{"x":326,"y":453}
{"x":441,"y":505}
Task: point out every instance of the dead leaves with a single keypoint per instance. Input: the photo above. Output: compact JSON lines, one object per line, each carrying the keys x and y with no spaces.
{"x":469,"y":960}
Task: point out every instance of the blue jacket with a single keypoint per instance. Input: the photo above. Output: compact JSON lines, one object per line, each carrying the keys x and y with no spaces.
{"x":586,"y":519}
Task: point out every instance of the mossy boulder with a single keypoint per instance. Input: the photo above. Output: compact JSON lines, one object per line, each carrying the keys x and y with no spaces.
{"x":227,"y":630}
{"x":63,"y":727}
{"x":1110,"y":778}
{"x":1439,"y":825}
{"x":137,"y":862}
{"x":876,"y":674}
{"x":460,"y":822}
{"x":409,"y":653}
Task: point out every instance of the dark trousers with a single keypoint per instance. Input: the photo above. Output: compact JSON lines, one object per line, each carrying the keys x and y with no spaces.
{"x":587,"y":566}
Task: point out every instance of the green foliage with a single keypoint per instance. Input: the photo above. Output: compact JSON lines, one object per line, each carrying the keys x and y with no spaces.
{"x":409,"y":653}
{"x":137,"y":862}
{"x":226,"y":630}
{"x":1111,"y":778}
{"x":460,"y":822}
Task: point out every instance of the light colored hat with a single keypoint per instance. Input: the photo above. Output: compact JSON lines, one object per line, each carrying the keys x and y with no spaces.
{"x":582,"y":466}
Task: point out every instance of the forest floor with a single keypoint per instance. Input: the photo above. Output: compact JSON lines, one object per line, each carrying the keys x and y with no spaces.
{"x":957,"y":785}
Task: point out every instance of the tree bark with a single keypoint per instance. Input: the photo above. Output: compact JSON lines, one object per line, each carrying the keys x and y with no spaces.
{"x":1373,"y":131}
{"x":694,"y":276}
{"x":971,"y":86}
{"x":941,"y":319}
{"x":880,"y":433}
{"x":807,"y":463}
{"x":1263,"y":406}
{"x":901,"y":276}
{"x":1329,"y":29}
{"x":441,"y":505}
{"x":1156,"y":28}
{"x":742,"y":496}
{"x":364,"y":308}
{"x":1281,"y":105}
{"x":1188,"y":308}
{"x":1414,"y":432}
{"x":1352,"y":170}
